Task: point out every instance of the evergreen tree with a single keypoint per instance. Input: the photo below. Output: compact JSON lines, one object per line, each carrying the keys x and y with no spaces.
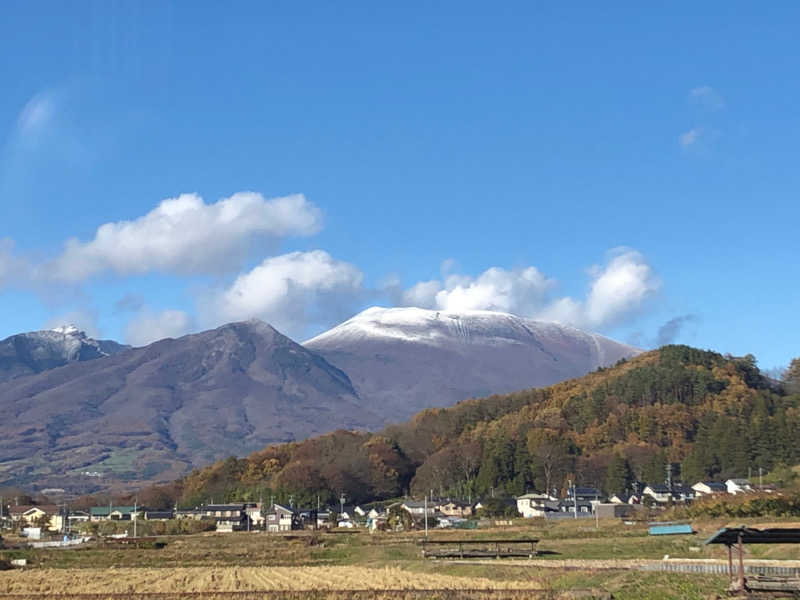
{"x":619,"y":476}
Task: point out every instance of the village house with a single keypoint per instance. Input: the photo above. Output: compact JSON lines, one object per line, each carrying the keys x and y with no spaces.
{"x":279,"y":518}
{"x":256,"y":516}
{"x":663,"y":494}
{"x":77,"y":516}
{"x":158,"y":515}
{"x":738,"y":486}
{"x":536,"y":505}
{"x":658,"y":493}
{"x":229,"y":517}
{"x":115,"y":513}
{"x":31,"y":516}
{"x":709,"y":488}
{"x":188,"y":513}
{"x":625,"y":498}
{"x":453,"y":508}
{"x":418,"y":509}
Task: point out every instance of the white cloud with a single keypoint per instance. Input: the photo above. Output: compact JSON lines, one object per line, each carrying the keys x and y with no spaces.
{"x":620,"y":288}
{"x":422,"y":294}
{"x":292,"y":290}
{"x":520,"y":290}
{"x":690,"y":137}
{"x":149,"y":326}
{"x":185,"y":235}
{"x":36,"y":114}
{"x":707,"y":97}
{"x":617,"y":290}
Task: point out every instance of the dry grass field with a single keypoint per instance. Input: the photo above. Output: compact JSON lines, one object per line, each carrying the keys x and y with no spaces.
{"x":579,"y":560}
{"x":236,"y":579}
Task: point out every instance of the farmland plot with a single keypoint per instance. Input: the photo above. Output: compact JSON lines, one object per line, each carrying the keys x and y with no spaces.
{"x":234,"y":579}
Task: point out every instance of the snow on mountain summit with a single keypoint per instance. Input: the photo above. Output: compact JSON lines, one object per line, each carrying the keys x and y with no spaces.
{"x":407,"y":359}
{"x":69,"y":330}
{"x":37,"y":351}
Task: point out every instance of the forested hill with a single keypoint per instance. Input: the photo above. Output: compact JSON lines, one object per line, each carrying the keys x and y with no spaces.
{"x":709,"y":416}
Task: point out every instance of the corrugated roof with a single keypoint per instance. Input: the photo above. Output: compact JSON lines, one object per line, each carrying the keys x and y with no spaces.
{"x":730,"y":535}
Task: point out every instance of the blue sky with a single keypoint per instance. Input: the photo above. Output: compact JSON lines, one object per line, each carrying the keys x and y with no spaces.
{"x":631,"y":169}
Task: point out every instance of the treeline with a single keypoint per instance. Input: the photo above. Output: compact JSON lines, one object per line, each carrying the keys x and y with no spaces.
{"x":697,"y":414}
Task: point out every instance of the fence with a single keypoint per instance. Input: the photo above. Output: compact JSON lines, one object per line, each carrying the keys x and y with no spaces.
{"x":59,"y":544}
{"x":719,"y":568}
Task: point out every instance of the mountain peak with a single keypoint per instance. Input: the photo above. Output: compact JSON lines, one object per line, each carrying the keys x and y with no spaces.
{"x":70,"y":329}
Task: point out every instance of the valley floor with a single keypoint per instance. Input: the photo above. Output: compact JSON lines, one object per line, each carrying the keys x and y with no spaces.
{"x":577,"y":559}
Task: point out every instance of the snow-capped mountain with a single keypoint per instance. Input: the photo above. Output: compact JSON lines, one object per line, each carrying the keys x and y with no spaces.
{"x":402,"y":360}
{"x":37,"y":351}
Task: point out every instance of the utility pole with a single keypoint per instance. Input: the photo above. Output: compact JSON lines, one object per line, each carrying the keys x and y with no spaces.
{"x":341,"y":504}
{"x":574,"y":498}
{"x":426,"y":516}
{"x":760,"y":479}
{"x":135,"y":500}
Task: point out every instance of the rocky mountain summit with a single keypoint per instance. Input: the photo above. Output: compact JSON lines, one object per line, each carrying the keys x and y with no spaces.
{"x":37,"y":351}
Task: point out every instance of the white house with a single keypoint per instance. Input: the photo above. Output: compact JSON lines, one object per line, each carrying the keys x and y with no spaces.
{"x":536,"y":504}
{"x":709,"y":488}
{"x":659,"y":492}
{"x":738,"y":486}
{"x":625,"y":499}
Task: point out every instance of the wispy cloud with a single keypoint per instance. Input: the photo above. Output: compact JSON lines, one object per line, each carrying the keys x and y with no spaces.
{"x":690,"y":138}
{"x":37,"y":114}
{"x":707,"y":97}
{"x":149,"y":326}
{"x":670,"y":330}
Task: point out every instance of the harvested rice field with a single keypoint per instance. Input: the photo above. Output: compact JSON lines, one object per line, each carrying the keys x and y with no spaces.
{"x":139,"y":581}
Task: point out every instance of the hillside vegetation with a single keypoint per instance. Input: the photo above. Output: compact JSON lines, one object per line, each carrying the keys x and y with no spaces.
{"x":705,"y":415}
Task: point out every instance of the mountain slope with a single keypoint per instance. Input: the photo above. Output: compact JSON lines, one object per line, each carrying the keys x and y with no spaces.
{"x":709,"y":416}
{"x":37,"y":351}
{"x":151,"y":412}
{"x":406,"y":359}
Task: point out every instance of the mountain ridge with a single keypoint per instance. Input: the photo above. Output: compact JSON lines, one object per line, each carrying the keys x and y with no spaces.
{"x":705,"y":415}
{"x":436,"y":358}
{"x":33,"y":352}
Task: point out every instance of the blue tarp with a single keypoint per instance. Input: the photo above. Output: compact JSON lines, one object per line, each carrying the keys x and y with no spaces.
{"x":672,"y":529}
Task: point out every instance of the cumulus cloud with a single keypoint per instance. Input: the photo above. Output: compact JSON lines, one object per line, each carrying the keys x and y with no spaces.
{"x":185,"y":235}
{"x":617,"y":290}
{"x":670,"y":330}
{"x":518,"y":290}
{"x":150,"y":326}
{"x":620,"y":287}
{"x":707,"y":97}
{"x":291,"y":291}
